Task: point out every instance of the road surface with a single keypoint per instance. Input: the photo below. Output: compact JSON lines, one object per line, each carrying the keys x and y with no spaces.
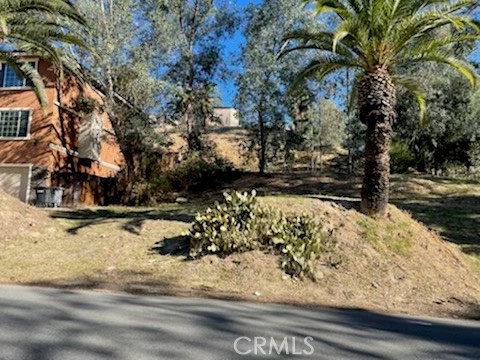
{"x":45,"y":324}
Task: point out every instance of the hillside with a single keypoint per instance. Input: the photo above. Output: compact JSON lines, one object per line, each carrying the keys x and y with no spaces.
{"x":396,"y":264}
{"x":229,"y":143}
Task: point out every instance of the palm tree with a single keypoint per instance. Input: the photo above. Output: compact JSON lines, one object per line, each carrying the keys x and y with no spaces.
{"x":38,"y":27}
{"x":380,"y":39}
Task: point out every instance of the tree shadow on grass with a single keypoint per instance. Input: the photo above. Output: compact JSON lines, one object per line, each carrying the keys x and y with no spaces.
{"x":346,"y":203}
{"x":296,"y":183}
{"x":471,"y":249}
{"x":456,"y":218}
{"x":134,"y":219}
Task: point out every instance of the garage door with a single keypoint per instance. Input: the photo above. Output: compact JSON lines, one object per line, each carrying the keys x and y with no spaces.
{"x":15,"y":180}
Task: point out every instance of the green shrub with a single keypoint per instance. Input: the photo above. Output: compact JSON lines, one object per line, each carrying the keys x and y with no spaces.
{"x":240,"y":225}
{"x":401,"y":157}
{"x":225,"y":229}
{"x":301,"y":242}
{"x":199,"y":171}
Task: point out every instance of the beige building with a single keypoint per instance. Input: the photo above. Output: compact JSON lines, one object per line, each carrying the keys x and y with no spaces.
{"x":225,"y":117}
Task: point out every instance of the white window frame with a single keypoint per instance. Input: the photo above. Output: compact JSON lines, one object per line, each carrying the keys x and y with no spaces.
{"x":25,"y":86}
{"x":29,"y":124}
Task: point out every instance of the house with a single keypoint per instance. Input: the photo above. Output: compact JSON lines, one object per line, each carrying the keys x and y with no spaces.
{"x":224,"y":117}
{"x":70,"y":143}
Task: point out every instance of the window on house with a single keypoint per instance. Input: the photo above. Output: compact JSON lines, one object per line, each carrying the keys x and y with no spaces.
{"x":10,"y":79}
{"x":14,"y":124}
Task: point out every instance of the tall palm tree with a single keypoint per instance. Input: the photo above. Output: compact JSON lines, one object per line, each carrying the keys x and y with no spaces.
{"x":38,"y":27}
{"x":380,"y":39}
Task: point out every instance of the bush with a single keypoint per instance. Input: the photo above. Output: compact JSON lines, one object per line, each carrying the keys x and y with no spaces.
{"x":197,"y":172}
{"x":301,"y":241}
{"x":401,"y":157}
{"x":225,"y":229}
{"x":240,"y":225}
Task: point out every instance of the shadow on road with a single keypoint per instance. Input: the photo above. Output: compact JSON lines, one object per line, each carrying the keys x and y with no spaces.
{"x":46,"y":324}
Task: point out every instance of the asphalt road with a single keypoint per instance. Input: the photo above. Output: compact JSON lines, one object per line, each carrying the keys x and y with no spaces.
{"x":44,"y":324}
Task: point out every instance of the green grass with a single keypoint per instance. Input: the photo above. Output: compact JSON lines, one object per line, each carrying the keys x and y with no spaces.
{"x":385,"y":235}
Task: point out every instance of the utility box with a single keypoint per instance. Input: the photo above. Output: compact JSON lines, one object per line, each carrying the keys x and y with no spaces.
{"x":48,"y":197}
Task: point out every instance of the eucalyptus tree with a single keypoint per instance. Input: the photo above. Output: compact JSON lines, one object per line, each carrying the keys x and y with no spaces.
{"x":37,"y":27}
{"x":379,"y":39}
{"x":121,"y":64}
{"x":324,"y":129}
{"x":189,"y":39}
{"x":263,"y":97}
{"x":451,"y":132}
{"x":121,"y":59}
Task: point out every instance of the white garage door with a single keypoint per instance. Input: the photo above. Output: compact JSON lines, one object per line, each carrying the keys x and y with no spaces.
{"x":15,"y":180}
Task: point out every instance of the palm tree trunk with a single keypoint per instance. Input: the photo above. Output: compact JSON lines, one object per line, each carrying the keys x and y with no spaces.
{"x":377,"y":98}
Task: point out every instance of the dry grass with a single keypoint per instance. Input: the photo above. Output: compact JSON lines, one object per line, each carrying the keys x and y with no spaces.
{"x":229,"y":144}
{"x":449,"y":206}
{"x":94,"y":245}
{"x":394,"y":265}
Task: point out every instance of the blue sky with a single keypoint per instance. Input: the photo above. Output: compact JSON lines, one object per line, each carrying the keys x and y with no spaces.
{"x":231,"y":48}
{"x":233,"y":45}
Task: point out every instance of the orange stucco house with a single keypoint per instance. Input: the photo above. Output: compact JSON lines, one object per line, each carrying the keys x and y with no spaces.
{"x":67,"y":144}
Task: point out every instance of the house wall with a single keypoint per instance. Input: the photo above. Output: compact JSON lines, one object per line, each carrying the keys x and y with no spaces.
{"x":53,"y":138}
{"x":68,"y":122}
{"x":34,"y":150}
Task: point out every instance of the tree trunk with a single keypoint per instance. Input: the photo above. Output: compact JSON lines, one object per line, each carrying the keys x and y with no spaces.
{"x":263,"y":144}
{"x":188,"y":119}
{"x":377,"y":98}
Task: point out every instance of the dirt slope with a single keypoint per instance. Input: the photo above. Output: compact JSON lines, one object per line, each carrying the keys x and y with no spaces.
{"x":396,"y":264}
{"x":19,"y":220}
{"x":229,"y":144}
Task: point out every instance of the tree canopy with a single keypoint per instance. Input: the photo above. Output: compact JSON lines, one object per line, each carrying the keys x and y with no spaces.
{"x":38,"y":27}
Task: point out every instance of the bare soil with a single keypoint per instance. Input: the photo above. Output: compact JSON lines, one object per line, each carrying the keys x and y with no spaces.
{"x":21,"y":220}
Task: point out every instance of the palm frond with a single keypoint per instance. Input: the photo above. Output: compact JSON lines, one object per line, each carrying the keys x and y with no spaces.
{"x":24,"y":69}
{"x":37,"y":27}
{"x":463,"y":68}
{"x":38,"y":85}
{"x":412,"y":86}
{"x":333,"y":6}
{"x":319,"y":69}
